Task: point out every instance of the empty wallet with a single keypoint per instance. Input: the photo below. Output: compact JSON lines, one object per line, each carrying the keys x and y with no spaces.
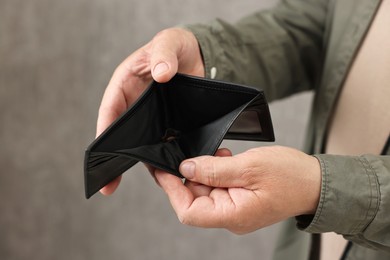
{"x":170,"y":122}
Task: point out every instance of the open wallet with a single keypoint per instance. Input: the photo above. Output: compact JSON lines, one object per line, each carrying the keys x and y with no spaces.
{"x":170,"y":122}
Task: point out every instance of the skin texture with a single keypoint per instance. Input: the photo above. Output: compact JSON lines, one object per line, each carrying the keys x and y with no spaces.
{"x":245,"y":192}
{"x":241,"y":193}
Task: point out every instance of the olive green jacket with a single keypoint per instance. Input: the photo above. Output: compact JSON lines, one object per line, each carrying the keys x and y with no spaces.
{"x":309,"y":45}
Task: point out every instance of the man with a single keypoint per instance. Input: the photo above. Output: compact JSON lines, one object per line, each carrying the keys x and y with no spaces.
{"x":339,"y":49}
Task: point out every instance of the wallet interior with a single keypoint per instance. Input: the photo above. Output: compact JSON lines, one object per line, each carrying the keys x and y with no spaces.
{"x":183,"y":118}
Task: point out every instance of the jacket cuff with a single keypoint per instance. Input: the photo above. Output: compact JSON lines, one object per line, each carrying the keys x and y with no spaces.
{"x":349,"y":188}
{"x":209,"y":39}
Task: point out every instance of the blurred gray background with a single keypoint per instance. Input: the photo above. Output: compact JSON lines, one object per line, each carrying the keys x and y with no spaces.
{"x":56,"y":58}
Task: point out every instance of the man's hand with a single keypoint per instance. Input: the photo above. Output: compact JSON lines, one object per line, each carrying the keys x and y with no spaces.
{"x":245,"y":192}
{"x":171,"y":51}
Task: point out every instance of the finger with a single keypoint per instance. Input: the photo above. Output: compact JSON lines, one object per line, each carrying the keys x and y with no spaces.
{"x":152,"y":170}
{"x":117,"y":98}
{"x":198,"y":189}
{"x":179,"y":195}
{"x":113,"y":104}
{"x":213,"y":211}
{"x":213,"y":171}
{"x":223,"y":152}
{"x":203,"y":211}
{"x":111,"y":187}
{"x":127,"y":83}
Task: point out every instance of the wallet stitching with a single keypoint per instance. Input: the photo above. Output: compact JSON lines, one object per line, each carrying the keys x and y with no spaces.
{"x":220,"y":88}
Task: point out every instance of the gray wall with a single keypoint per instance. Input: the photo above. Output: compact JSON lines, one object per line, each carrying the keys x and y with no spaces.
{"x":56,"y":58}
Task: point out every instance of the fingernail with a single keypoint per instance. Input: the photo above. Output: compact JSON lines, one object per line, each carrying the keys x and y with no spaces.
{"x":187,"y":169}
{"x":160,"y":68}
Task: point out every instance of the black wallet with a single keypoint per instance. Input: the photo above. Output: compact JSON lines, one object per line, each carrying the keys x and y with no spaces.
{"x":183,"y":118}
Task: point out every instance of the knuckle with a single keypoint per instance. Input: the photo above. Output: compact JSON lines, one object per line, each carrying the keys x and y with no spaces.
{"x":239,"y":230}
{"x":181,"y":219}
{"x":248,"y":174}
{"x":209,"y":170}
{"x":252,"y":166}
{"x":241,"y":227}
{"x":184,"y":219}
{"x":169,"y":33}
{"x":161,"y":33}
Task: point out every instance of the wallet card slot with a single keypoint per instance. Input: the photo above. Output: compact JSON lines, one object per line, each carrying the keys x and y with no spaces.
{"x":97,"y":159}
{"x":247,"y":123}
{"x":207,"y":138}
{"x":106,"y":167}
{"x":193,"y":107}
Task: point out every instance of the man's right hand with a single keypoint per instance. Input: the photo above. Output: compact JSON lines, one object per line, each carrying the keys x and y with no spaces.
{"x":170,"y":51}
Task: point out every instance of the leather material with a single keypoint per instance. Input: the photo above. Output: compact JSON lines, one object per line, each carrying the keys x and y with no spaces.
{"x":183,"y":118}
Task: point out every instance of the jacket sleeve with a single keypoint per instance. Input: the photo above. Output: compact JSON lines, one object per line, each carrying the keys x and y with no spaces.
{"x":278,"y":50}
{"x":354,"y":201}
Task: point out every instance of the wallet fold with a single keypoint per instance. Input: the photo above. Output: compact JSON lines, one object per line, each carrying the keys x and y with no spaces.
{"x":183,"y":118}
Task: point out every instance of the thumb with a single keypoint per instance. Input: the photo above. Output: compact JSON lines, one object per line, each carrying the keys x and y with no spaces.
{"x":164,"y":56}
{"x":164,"y":69}
{"x":223,"y":172}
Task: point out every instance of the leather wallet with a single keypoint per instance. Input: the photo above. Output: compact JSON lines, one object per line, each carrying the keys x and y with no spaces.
{"x":170,"y":122}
